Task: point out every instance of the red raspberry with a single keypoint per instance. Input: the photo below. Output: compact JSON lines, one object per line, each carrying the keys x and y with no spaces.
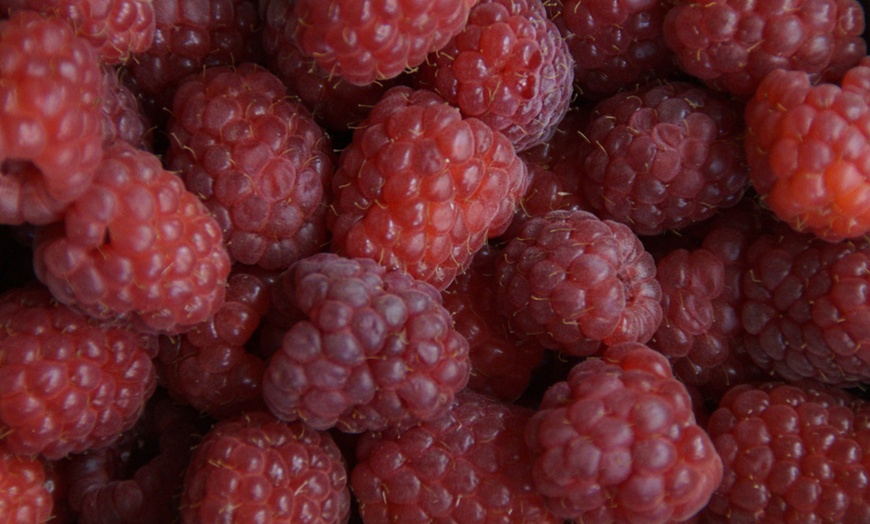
{"x":661,"y":157}
{"x":469,"y":465}
{"x":257,"y":160}
{"x":209,"y":367}
{"x":807,"y":147}
{"x":137,"y":247}
{"x":50,"y":135}
{"x":137,"y":479}
{"x":376,"y":348}
{"x":122,"y":117}
{"x":614,"y":44}
{"x":805,"y":309}
{"x":733,"y":44}
{"x":574,"y":281}
{"x":115,"y":28}
{"x":67,"y":383}
{"x":617,"y":442}
{"x":421,"y":189}
{"x":24,"y":497}
{"x":791,"y":453}
{"x":371,"y":40}
{"x":509,"y":67}
{"x":254,"y":468}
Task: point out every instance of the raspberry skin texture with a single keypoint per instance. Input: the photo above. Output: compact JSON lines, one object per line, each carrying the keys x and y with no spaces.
{"x":67,"y":383}
{"x":662,"y":156}
{"x":367,"y":41}
{"x":731,"y":45}
{"x":807,"y":146}
{"x":258,"y":161}
{"x":50,"y":127}
{"x":23,"y":495}
{"x":375,"y":348}
{"x":254,"y":468}
{"x":509,"y":67}
{"x":470,"y":465}
{"x":123,"y":119}
{"x":575,"y":281}
{"x":136,"y":248}
{"x":421,"y":189}
{"x":791,"y":453}
{"x":618,"y":442}
{"x":614,"y":44}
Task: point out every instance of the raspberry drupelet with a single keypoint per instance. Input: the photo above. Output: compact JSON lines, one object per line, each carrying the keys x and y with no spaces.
{"x":23,"y":494}
{"x":375,"y":348}
{"x":136,"y":248}
{"x":421,"y":189}
{"x":123,"y":119}
{"x":258,"y":161}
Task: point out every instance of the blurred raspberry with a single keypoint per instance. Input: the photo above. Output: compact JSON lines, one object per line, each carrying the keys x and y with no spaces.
{"x":137,"y":247}
{"x":50,"y":134}
{"x":376,"y":348}
{"x":23,"y":494}
{"x":67,"y":384}
{"x":421,"y":189}
{"x":254,"y":468}
{"x":617,"y":442}
{"x":509,"y":67}
{"x":257,"y":160}
{"x":123,"y":119}
{"x":469,"y":465}
{"x":574,"y":281}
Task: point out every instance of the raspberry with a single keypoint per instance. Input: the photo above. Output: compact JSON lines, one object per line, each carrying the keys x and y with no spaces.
{"x":732,"y":44}
{"x":137,"y":479}
{"x":614,"y":44}
{"x":421,"y":189}
{"x":115,"y":28}
{"x":257,"y":160}
{"x":509,"y":67}
{"x":67,"y":383}
{"x":791,"y":453}
{"x":23,"y":495}
{"x":574,"y":281}
{"x":209,"y":367}
{"x":50,"y":141}
{"x":661,"y":157}
{"x":137,"y":247}
{"x":805,"y":311}
{"x":122,"y":117}
{"x":617,"y":442}
{"x":376,"y":348}
{"x":807,"y":147}
{"x":469,"y":465}
{"x":371,"y":40}
{"x":254,"y":468}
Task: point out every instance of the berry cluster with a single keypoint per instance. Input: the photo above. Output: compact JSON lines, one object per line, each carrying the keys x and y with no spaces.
{"x":377,"y":261}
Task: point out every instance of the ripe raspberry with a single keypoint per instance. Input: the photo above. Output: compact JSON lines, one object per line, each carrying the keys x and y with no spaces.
{"x":733,"y":44}
{"x":137,"y":247}
{"x":791,"y":453}
{"x":67,"y":383}
{"x":122,"y":117}
{"x":371,"y":40}
{"x":138,"y":478}
{"x":254,"y":468}
{"x":50,"y":141}
{"x":807,"y":147}
{"x":376,"y":349}
{"x":501,"y":362}
{"x":574,"y":281}
{"x":469,"y":465}
{"x":805,"y":309}
{"x":661,"y":157}
{"x":614,"y":44}
{"x":617,"y":442}
{"x":509,"y":67}
{"x":115,"y":28}
{"x":23,"y":495}
{"x":421,"y":189}
{"x":257,"y":160}
{"x":209,"y":367}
